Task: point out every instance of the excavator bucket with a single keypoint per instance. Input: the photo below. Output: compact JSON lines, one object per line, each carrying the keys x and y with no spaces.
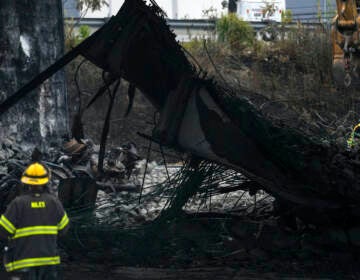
{"x":345,"y":44}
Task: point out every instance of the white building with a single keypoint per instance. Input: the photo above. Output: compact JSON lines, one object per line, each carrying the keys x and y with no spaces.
{"x":304,"y":10}
{"x":260,"y":10}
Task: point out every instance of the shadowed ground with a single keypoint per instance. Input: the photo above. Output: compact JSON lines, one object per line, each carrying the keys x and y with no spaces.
{"x":130,"y":273}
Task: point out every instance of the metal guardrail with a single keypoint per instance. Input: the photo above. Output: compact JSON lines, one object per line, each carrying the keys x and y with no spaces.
{"x":174,"y":23}
{"x":195,"y":24}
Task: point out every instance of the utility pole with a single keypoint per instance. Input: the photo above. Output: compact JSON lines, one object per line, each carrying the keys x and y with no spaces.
{"x":174,"y":9}
{"x":110,"y":8}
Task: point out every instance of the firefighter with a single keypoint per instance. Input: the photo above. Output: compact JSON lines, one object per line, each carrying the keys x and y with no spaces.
{"x":32,"y":223}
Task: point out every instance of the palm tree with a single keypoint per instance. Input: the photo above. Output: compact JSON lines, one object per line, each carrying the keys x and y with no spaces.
{"x":268,"y":10}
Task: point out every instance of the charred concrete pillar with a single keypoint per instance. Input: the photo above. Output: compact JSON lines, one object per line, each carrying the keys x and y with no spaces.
{"x":32,"y":38}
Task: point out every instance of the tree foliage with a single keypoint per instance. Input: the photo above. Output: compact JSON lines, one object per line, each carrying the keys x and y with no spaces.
{"x":268,"y":10}
{"x":84,"y":32}
{"x":92,"y":5}
{"x":73,"y":38}
{"x":234,"y":31}
{"x":286,"y":16}
{"x":210,"y":13}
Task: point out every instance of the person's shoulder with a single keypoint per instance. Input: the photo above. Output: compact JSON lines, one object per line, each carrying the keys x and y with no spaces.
{"x":21,"y":198}
{"x":51,"y":197}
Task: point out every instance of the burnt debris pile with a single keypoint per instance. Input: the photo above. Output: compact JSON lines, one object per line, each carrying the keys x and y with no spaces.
{"x":242,"y":169}
{"x":71,"y":166}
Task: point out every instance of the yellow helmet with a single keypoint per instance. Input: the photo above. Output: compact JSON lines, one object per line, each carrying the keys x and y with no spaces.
{"x":35,"y":174}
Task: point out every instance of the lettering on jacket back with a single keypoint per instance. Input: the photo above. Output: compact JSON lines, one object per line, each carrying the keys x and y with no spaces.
{"x":38,"y":204}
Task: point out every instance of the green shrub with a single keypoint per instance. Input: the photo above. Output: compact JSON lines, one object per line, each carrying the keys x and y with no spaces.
{"x":71,"y":38}
{"x":234,"y":31}
{"x":193,"y":46}
{"x":286,"y":16}
{"x":84,"y":32}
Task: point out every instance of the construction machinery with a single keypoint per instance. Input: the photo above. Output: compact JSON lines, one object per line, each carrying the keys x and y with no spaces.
{"x":345,"y":43}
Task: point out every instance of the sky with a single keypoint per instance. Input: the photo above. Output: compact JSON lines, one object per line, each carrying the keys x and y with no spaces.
{"x":191,"y":9}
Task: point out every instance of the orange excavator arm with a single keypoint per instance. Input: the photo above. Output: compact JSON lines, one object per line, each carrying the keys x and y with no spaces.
{"x":345,"y":42}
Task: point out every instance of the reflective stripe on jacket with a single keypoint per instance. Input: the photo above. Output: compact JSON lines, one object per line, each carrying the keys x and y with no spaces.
{"x":32,"y":222}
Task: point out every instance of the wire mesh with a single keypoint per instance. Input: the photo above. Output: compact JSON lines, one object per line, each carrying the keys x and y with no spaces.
{"x":168,"y":223}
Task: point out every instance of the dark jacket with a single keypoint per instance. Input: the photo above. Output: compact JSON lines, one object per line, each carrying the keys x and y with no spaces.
{"x":32,"y":223}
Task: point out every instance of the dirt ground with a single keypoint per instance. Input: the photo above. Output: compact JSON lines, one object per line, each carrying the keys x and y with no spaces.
{"x":202,"y":273}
